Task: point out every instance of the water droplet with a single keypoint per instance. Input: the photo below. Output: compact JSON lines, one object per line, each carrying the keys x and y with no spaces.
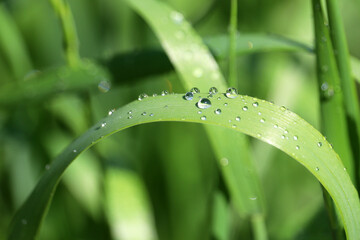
{"x":226,"y":104}
{"x":130,"y":112}
{"x":324,"y":86}
{"x":189,"y":96}
{"x":165,"y":92}
{"x":331,"y":146}
{"x":47,"y":166}
{"x":204,"y":103}
{"x":24,"y":221}
{"x":259,"y":134}
{"x":203,"y":118}
{"x":130,"y":117}
{"x":233,"y":126}
{"x":295,"y":137}
{"x":176,"y":17}
{"x":198,"y":72}
{"x":195,"y":90}
{"x":111,"y":112}
{"x":259,"y":113}
{"x":224,"y":161}
{"x":344,"y":168}
{"x":253,"y":198}
{"x":231,"y":93}
{"x":199,"y":112}
{"x":317,"y":169}
{"x":238,"y":118}
{"x":262,"y":120}
{"x":319,"y":144}
{"x":255,"y":104}
{"x":213,"y":91}
{"x":245,"y":108}
{"x":276,"y":126}
{"x":151,"y":115}
{"x":286,"y":131}
{"x":219,"y":98}
{"x":283,"y":136}
{"x":74,"y":151}
{"x":104,"y":86}
{"x":103,"y":124}
{"x":142,"y":96}
{"x":143,"y":114}
{"x":283,"y":108}
{"x":218,"y":111}
{"x":154,"y":95}
{"x":297,"y":147}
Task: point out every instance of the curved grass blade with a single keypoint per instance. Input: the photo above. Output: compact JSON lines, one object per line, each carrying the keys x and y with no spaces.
{"x":12,"y":45}
{"x":276,"y":126}
{"x":197,"y":68}
{"x":44,"y":84}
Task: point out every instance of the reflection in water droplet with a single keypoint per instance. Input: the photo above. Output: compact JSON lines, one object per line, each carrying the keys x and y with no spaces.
{"x":154,"y":95}
{"x":233,"y":126}
{"x":245,"y":108}
{"x":199,"y":112}
{"x":226,"y":104}
{"x":130,"y":112}
{"x":111,"y":112}
{"x":74,"y":151}
{"x":255,"y":104}
{"x":204,"y":103}
{"x":142,"y":96}
{"x":219,"y":98}
{"x":104,"y":86}
{"x":195,"y":90}
{"x":297,"y":147}
{"x":143,"y":114}
{"x":317,"y":169}
{"x":176,"y":17}
{"x":282,"y":108}
{"x":218,"y":111}
{"x":286,"y":131}
{"x":262,"y":120}
{"x":151,"y":115}
{"x":189,"y":96}
{"x":319,"y":144}
{"x":295,"y":137}
{"x":213,"y":91}
{"x":231,"y":93}
{"x":276,"y":126}
{"x":203,"y":118}
{"x":165,"y":92}
{"x":238,"y":118}
{"x":283,"y":136}
{"x":224,"y":161}
{"x":130,"y":117}
{"x":198,"y":72}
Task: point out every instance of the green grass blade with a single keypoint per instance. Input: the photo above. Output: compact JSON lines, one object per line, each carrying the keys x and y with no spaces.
{"x":44,"y":84}
{"x":71,"y":42}
{"x":12,"y":45}
{"x":331,"y":98}
{"x":197,"y":68}
{"x":347,"y":82}
{"x":276,"y":126}
{"x":233,"y":81}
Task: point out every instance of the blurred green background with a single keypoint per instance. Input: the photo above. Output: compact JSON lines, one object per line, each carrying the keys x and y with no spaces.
{"x":157,"y":181}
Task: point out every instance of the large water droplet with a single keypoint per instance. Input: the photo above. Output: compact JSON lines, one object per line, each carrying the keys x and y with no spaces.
{"x":213,"y":91}
{"x":231,"y":93}
{"x":245,"y":108}
{"x":203,"y":118}
{"x":218,"y":111}
{"x":195,"y":90}
{"x":176,"y":17}
{"x":189,"y":96}
{"x":142,"y":96}
{"x":204,"y":103}
{"x":104,"y":86}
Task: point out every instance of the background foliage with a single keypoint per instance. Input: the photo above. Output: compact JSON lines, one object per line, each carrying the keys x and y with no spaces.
{"x":162,"y":177}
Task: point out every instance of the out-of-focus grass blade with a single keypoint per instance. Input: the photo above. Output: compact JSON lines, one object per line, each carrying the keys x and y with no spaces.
{"x":44,"y":84}
{"x":12,"y":45}
{"x":197,"y":68}
{"x":276,"y":126}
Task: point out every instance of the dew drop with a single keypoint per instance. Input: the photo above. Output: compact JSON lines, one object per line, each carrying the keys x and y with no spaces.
{"x":143,"y":114}
{"x":262,"y":120}
{"x":297,"y":147}
{"x":103,"y":124}
{"x":213,"y":91}
{"x":226,"y":104}
{"x":283,"y":136}
{"x":276,"y":126}
{"x":283,"y":108}
{"x":319,"y":144}
{"x":176,"y":17}
{"x":111,"y":112}
{"x":165,"y":92}
{"x":245,"y":108}
{"x":286,"y":131}
{"x":104,"y":86}
{"x":130,"y":112}
{"x":331,"y":146}
{"x":295,"y":137}
{"x":259,"y":113}
{"x":189,"y":96}
{"x":204,"y":103}
{"x":231,"y":93}
{"x":253,"y":198}
{"x":219,"y":98}
{"x":255,"y":104}
{"x":151,"y":114}
{"x":130,"y":117}
{"x":233,"y":126}
{"x":238,"y":118}
{"x":224,"y":161}
{"x":154,"y":95}
{"x":142,"y":96}
{"x":203,"y":118}
{"x":74,"y":151}
{"x":199,"y":112}
{"x":195,"y":90}
{"x":317,"y":169}
{"x":324,"y":86}
{"x":218,"y":111}
{"x":259,"y":134}
{"x":198,"y":72}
